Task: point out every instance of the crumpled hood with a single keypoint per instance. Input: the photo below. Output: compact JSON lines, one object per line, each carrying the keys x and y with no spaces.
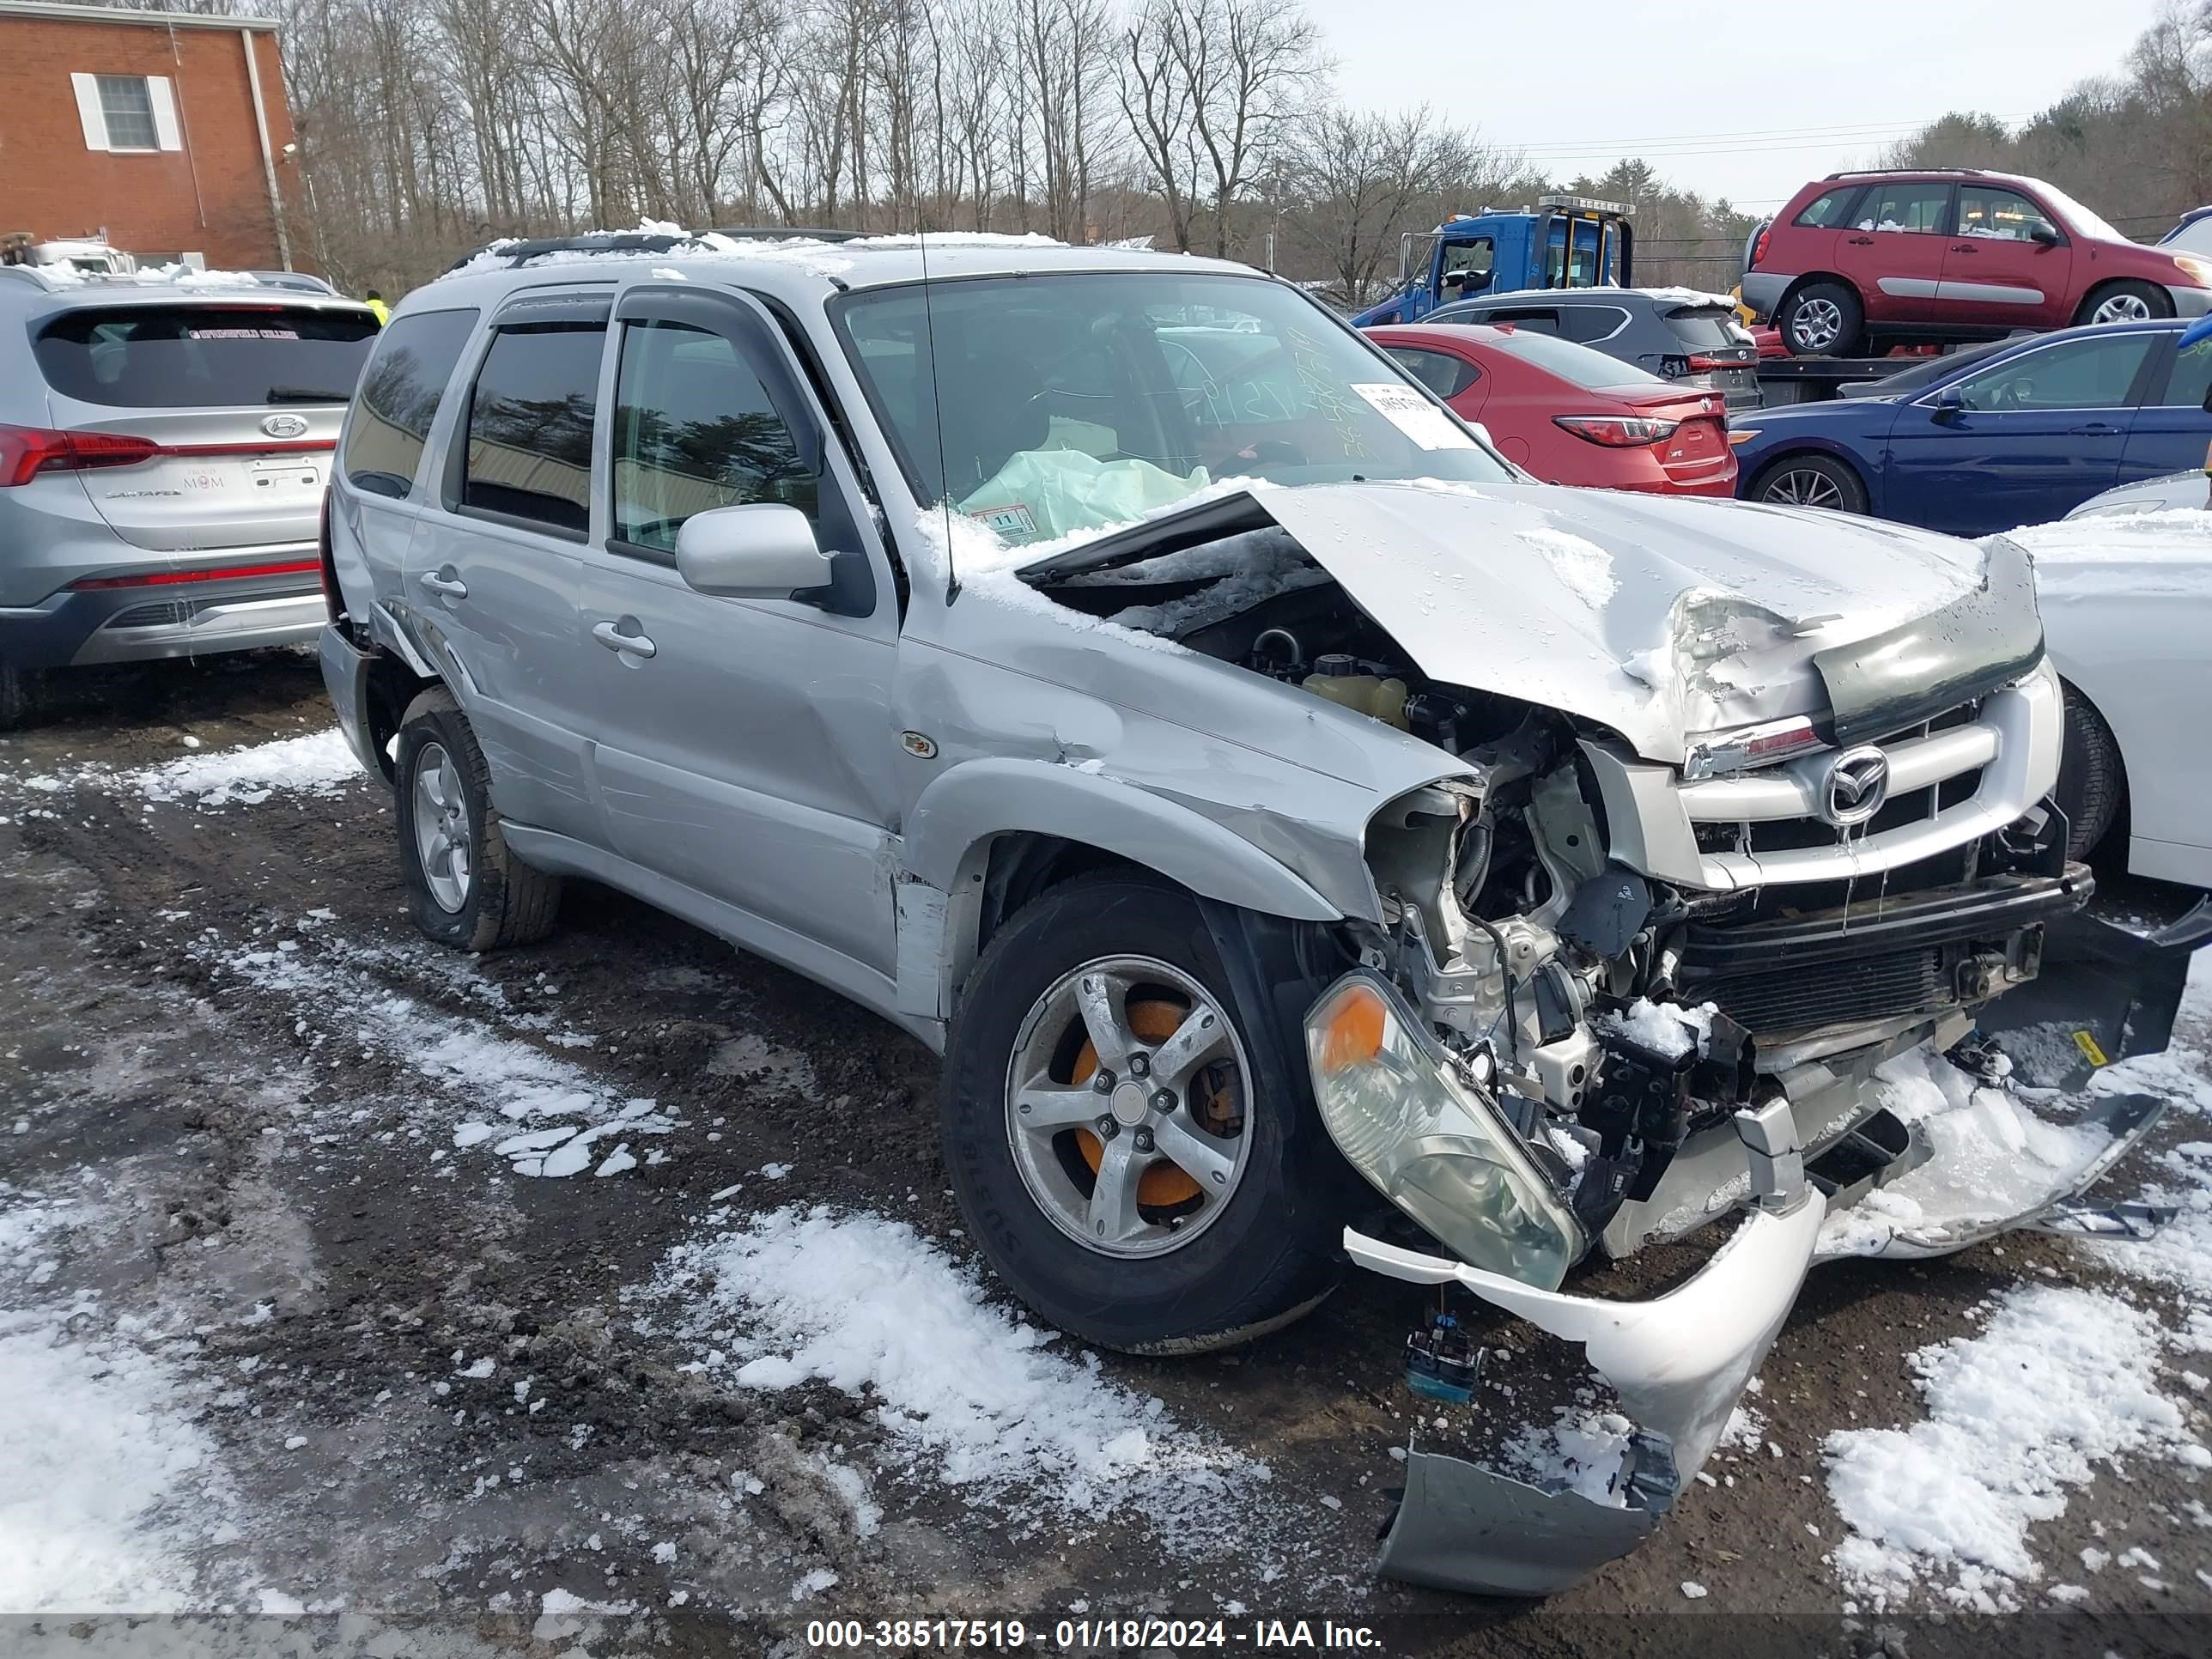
{"x":1660,"y":618}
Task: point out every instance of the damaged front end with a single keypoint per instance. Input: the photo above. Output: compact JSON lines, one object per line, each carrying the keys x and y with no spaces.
{"x":1723,"y":865}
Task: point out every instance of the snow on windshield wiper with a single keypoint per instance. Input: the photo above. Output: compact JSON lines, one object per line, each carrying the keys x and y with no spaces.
{"x":305,"y":394}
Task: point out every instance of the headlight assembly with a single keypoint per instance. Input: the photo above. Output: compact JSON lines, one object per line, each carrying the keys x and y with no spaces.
{"x":1432,"y":1144}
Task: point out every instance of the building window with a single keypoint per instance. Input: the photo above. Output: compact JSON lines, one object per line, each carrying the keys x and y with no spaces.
{"x":128,"y":112}
{"x":128,"y":109}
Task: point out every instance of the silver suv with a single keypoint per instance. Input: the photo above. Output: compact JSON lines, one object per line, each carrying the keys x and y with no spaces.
{"x":164,"y":445}
{"x":1277,"y":809}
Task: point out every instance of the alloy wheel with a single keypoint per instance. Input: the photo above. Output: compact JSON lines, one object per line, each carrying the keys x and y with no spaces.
{"x":2122,"y":308}
{"x":1804,"y":487}
{"x":1128,"y":1097}
{"x":441,"y":828}
{"x":1818,"y":324}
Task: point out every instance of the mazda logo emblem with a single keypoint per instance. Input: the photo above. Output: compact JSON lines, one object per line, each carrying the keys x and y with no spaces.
{"x":1857,"y":786}
{"x":284,"y":426}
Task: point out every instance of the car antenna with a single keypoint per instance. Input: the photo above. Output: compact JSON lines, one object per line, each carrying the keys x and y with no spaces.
{"x":937,"y":410}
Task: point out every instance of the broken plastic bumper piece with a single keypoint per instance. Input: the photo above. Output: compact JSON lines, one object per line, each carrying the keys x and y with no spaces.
{"x":1677,"y":1363}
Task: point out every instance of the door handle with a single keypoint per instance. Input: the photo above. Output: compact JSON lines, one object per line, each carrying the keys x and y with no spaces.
{"x":1862,"y":241}
{"x":610,"y":635}
{"x":2093,"y":429}
{"x":439,"y":582}
{"x":1964,"y":247}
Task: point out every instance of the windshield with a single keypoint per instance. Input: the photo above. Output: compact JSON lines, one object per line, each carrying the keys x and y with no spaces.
{"x":1067,"y":402}
{"x":2078,"y":218}
{"x":195,"y":356}
{"x":1591,"y":370}
{"x":1929,"y":370}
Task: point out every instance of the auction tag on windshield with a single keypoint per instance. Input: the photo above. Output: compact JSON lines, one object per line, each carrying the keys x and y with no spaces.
{"x":1415,"y":415}
{"x":1013,"y":520}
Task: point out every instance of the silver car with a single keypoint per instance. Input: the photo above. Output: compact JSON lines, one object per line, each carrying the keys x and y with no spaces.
{"x":1280,"y":812}
{"x":164,"y":447}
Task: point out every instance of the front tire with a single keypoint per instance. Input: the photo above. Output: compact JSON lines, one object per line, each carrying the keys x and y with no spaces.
{"x":2127,"y":301}
{"x":2092,"y":779}
{"x":1821,"y":320}
{"x":1811,"y":480}
{"x":464,"y":888}
{"x":1184,"y":1204}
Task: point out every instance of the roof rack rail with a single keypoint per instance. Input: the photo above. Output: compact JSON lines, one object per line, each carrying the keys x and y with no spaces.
{"x":519,"y":254}
{"x":1948,"y":172}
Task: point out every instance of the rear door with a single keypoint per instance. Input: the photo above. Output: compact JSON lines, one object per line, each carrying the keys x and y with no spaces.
{"x":237,"y":402}
{"x":2034,"y":436}
{"x":492,"y":576}
{"x":2171,"y":432}
{"x":744,"y":747}
{"x":1996,"y":274}
{"x":1893,"y":250}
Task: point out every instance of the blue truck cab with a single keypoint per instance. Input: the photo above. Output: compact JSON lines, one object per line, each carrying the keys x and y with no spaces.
{"x":1564,"y":242}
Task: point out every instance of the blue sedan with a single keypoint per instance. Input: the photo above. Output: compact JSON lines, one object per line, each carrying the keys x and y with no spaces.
{"x":2021,"y":433}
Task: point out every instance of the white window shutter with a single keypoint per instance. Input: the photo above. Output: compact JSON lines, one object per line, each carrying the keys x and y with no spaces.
{"x":89,"y":111}
{"x":163,"y":97}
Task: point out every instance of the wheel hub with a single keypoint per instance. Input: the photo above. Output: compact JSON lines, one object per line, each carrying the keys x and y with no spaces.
{"x":1132,"y":1104}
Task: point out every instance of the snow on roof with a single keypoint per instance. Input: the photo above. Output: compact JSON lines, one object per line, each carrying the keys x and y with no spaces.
{"x":813,"y":254}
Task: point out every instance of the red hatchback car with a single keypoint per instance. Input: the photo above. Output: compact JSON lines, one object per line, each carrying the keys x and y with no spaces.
{"x":1860,"y":261}
{"x":1571,"y":415}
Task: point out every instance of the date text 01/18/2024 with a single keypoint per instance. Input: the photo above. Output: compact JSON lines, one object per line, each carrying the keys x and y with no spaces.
{"x":1079,"y":1635}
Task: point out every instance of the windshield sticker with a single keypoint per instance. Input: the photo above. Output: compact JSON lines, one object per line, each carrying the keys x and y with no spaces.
{"x":241,"y":334}
{"x":1415,"y":415}
{"x":1013,"y":520}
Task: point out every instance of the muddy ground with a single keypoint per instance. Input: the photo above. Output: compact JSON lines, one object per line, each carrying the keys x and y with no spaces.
{"x":273,"y":1200}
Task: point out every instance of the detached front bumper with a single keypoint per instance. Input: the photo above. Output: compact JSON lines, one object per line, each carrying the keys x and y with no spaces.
{"x":1679,"y":1365}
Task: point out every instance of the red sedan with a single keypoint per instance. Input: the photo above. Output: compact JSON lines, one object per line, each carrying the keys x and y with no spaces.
{"x":1571,"y":415}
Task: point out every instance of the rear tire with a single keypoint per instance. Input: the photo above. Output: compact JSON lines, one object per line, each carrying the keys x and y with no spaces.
{"x":2092,"y":778}
{"x":1810,"y":480}
{"x":1822,"y":319}
{"x":18,"y":696}
{"x":1189,"y":1272}
{"x":2125,"y":301}
{"x":464,"y":888}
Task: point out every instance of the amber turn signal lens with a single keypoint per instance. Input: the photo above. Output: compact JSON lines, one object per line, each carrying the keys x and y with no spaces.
{"x":1353,"y":1036}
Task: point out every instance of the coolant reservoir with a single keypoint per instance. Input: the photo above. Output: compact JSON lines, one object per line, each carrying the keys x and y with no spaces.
{"x":1338,"y":677}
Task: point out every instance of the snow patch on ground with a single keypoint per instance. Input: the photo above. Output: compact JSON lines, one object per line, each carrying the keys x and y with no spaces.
{"x":2059,"y":1381}
{"x":554,"y":1112}
{"x":974,"y":1397}
{"x":108,"y":1483}
{"x":319,"y":763}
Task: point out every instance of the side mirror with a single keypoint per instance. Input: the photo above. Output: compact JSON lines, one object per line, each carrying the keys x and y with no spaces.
{"x":2044,"y":232}
{"x":762,"y":552}
{"x":1949,"y":406}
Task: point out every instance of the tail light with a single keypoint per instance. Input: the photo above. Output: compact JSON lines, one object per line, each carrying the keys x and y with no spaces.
{"x":1617,"y":431}
{"x":1759,"y":247}
{"x":333,"y":595}
{"x":28,"y":450}
{"x":1699,"y":363}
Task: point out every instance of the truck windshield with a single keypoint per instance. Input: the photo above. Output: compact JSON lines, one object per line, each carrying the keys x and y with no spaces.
{"x":1064,"y":402}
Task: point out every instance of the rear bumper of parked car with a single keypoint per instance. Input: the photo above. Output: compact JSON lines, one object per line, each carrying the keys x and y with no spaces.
{"x":156,"y":618}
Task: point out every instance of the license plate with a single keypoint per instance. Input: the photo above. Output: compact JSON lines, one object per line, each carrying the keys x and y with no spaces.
{"x":281,"y":477}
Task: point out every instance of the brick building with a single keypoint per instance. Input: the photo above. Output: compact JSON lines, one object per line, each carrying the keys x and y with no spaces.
{"x":167,"y":132}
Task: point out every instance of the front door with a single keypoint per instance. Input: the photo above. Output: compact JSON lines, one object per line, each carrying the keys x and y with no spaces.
{"x":1893,"y":251}
{"x":2030,"y":438}
{"x":744,"y":746}
{"x":1996,"y":274}
{"x":492,"y":576}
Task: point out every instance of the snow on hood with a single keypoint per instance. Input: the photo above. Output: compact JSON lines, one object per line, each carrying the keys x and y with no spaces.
{"x":1659,"y":617}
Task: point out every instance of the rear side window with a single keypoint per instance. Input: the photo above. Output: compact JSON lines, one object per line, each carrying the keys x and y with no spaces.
{"x":204,"y":356}
{"x":2189,"y":380}
{"x":399,"y":397}
{"x":1590,"y":324}
{"x":1442,"y":373}
{"x":1829,"y":211}
{"x":1703,"y":328}
{"x":1591,"y":369}
{"x":1532,"y":322}
{"x":1907,"y":207}
{"x":694,"y":429}
{"x":529,"y":453}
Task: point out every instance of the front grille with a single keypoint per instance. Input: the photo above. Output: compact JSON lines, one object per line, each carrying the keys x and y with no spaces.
{"x":1834,"y":993}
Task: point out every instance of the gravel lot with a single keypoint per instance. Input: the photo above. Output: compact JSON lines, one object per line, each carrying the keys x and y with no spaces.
{"x":298,"y":1338}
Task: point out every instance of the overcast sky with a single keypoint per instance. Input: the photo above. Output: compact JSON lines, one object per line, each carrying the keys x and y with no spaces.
{"x":1748,"y":100}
